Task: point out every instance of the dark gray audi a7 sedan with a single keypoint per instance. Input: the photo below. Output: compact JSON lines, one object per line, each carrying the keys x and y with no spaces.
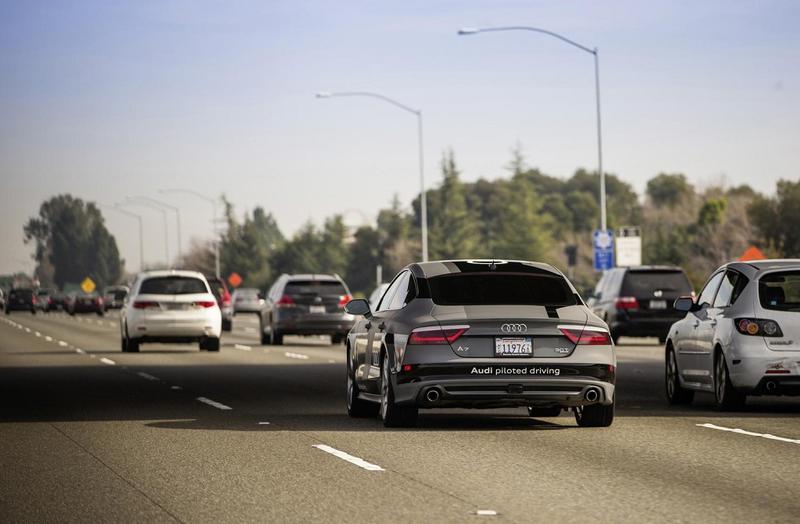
{"x":479,"y":334}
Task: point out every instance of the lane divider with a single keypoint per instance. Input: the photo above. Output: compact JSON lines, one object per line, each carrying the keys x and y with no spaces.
{"x":147,"y":376}
{"x":108,"y":361}
{"x":242,"y":347}
{"x":213,"y":403}
{"x":750,"y":433}
{"x":298,"y":356}
{"x":361,"y":463}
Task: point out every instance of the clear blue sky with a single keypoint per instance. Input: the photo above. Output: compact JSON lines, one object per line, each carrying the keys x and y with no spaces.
{"x":107,"y":99}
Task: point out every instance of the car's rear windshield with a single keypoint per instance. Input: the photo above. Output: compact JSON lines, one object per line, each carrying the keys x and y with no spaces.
{"x":173,"y":286}
{"x":119,"y":294}
{"x":314,"y":287}
{"x":638,"y":283}
{"x":470,"y":289}
{"x":21,"y":293}
{"x":247,"y":292}
{"x":780,"y":291}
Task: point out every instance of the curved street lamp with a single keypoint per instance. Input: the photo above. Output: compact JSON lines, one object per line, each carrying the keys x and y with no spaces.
{"x":213,"y":203}
{"x":418,"y":113}
{"x":594,"y":52}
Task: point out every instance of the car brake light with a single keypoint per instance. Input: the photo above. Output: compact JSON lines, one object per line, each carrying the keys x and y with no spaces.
{"x":98,"y":300}
{"x":343,"y":300}
{"x":586,"y":337}
{"x":436,"y":335}
{"x":205,"y":303}
{"x":226,"y":298}
{"x":627,"y":303}
{"x":33,"y":300}
{"x":756,"y":327}
{"x":144,"y":304}
{"x":285,"y":301}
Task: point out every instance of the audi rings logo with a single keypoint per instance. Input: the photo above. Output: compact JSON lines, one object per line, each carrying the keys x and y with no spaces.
{"x":514,"y":328}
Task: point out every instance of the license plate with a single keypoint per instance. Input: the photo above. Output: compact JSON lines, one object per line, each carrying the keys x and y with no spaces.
{"x":658,"y":304}
{"x":176,"y":306}
{"x":513,"y":347}
{"x":316,"y":309}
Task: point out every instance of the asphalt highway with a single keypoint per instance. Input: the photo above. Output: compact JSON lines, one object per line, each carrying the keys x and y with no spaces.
{"x":259,"y":434}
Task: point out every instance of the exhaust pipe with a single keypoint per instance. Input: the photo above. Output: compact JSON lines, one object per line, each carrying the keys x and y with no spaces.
{"x":591,"y":395}
{"x":433,"y":395}
{"x":771,"y":386}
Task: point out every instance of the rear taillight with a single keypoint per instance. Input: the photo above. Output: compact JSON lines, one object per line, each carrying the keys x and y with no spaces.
{"x":144,"y":304}
{"x":204,"y":303}
{"x":99,"y":301}
{"x":285,"y":301}
{"x":585,"y":337}
{"x":226,"y":299}
{"x":343,"y":300}
{"x":758,"y":328}
{"x":627,"y":303}
{"x":435,"y":335}
{"x":33,"y":300}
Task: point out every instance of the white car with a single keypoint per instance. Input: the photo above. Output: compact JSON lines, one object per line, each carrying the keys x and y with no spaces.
{"x":170,"y":307}
{"x":741,"y":337}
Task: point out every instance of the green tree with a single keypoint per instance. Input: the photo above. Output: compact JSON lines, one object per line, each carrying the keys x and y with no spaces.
{"x":522,"y":232}
{"x":669,"y":189}
{"x":454,"y":231}
{"x":364,"y":257}
{"x":776,"y":218}
{"x":71,"y":236}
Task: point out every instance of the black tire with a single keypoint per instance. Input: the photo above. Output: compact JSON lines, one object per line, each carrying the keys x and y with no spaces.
{"x":276,"y":336}
{"x":676,"y":394}
{"x":133,"y":345}
{"x":100,"y":313}
{"x":726,"y":396}
{"x":356,"y":407}
{"x":544,"y":412}
{"x":615,"y":337}
{"x":337,"y":339}
{"x":33,"y":311}
{"x":123,"y":343}
{"x":209,"y":344}
{"x":595,"y":416}
{"x":227,"y":325}
{"x":394,"y":415}
{"x":265,"y":339}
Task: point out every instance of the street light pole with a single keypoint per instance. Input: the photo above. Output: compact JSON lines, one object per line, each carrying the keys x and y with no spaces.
{"x":116,"y":207}
{"x":172,"y":208}
{"x":423,"y":204}
{"x":130,"y":202}
{"x":213,"y":203}
{"x":594,"y":52}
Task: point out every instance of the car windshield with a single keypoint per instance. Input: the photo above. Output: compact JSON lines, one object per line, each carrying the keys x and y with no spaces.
{"x":173,"y":285}
{"x":780,"y":291}
{"x":638,"y":283}
{"x":464,"y":289}
{"x":314,"y":287}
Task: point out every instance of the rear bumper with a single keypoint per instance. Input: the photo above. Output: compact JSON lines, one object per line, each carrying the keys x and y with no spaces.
{"x":643,"y":327}
{"x":308,"y":325}
{"x":754,"y":373}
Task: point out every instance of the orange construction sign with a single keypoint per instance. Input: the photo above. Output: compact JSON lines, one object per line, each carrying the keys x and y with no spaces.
{"x":234,"y":279}
{"x":752,"y":253}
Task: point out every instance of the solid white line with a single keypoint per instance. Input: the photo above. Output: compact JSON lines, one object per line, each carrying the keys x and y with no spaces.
{"x":486,"y":513}
{"x":361,"y":463}
{"x":750,"y":433}
{"x":48,"y":338}
{"x":147,"y":376}
{"x":108,"y":361}
{"x":242,"y":347}
{"x":214,"y":403}
{"x":298,"y":356}
{"x":62,"y":343}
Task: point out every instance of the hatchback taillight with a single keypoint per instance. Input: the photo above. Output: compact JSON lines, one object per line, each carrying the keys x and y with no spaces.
{"x":627,"y":303}
{"x":586,"y":337}
{"x":285,"y":301}
{"x":758,"y":327}
{"x":435,"y":335}
{"x":343,"y":300}
{"x":205,"y":303}
{"x":144,"y":304}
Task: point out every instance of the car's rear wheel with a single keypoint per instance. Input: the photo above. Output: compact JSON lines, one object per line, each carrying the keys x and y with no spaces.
{"x":276,"y":336}
{"x":337,"y":339}
{"x":544,"y":412}
{"x":210,"y":344}
{"x":356,"y":407}
{"x":595,"y":415}
{"x":676,"y":394}
{"x":227,"y":325}
{"x":726,"y":396}
{"x":265,"y":339}
{"x":394,"y":415}
{"x":132,"y":345}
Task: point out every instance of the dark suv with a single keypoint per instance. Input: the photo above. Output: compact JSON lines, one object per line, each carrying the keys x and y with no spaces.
{"x":21,"y":299}
{"x":637,"y":301}
{"x":306,"y":305}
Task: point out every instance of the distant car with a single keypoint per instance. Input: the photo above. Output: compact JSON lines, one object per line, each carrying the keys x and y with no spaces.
{"x":21,"y":299}
{"x":637,"y":301}
{"x":480,"y":334}
{"x":44,"y":300}
{"x":114,"y":296}
{"x":740,"y":337}
{"x":247,"y":300}
{"x":170,"y":306}
{"x":220,"y":291}
{"x":305,"y":305}
{"x":375,"y":296}
{"x":59,"y":301}
{"x":80,"y":302}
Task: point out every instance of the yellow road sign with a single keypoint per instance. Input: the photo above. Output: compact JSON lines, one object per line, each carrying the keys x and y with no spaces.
{"x":88,"y":285}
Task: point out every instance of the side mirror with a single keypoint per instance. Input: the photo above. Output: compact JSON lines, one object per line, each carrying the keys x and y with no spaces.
{"x":685,"y":304}
{"x":358,"y":306}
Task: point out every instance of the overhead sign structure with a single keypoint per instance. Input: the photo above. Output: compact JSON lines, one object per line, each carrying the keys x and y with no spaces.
{"x":603,"y":243}
{"x":629,"y":247}
{"x":234,"y":279}
{"x":88,"y":285}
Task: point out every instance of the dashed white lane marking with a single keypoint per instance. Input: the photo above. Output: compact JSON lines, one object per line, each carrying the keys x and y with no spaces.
{"x":146,"y":376}
{"x":298,"y":356}
{"x":48,"y":338}
{"x":263,"y":423}
{"x":38,"y":334}
{"x":214,"y":403}
{"x":361,"y":463}
{"x":27,"y":330}
{"x":750,"y":433}
{"x":79,"y":350}
{"x":62,"y":343}
{"x":331,"y":361}
{"x":242,"y":347}
{"x":176,"y":388}
{"x":486,"y":513}
{"x":108,"y":361}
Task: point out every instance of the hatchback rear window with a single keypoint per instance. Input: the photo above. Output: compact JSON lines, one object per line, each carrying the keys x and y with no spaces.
{"x":780,"y":291}
{"x":21,"y":293}
{"x":314,"y":287}
{"x":173,"y":286}
{"x":472,"y":289}
{"x":639,"y":283}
